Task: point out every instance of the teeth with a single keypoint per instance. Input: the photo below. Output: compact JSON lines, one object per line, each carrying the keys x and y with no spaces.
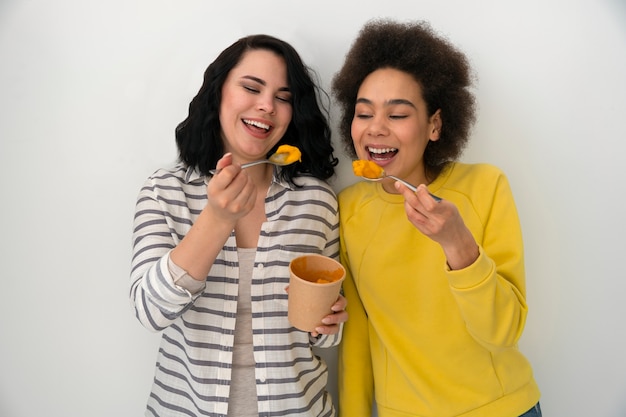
{"x":257,"y":124}
{"x":381,"y":150}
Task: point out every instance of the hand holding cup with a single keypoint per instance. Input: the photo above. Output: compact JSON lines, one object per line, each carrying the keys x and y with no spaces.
{"x":314,"y":285}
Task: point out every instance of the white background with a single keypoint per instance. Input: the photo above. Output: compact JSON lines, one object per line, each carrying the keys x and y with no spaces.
{"x":90,"y":94}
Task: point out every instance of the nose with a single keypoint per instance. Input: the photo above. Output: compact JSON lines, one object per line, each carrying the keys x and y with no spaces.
{"x":266,"y":103}
{"x":377,"y":126}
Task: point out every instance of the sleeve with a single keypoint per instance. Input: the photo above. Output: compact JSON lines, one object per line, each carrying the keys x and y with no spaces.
{"x":183,"y":279}
{"x":491,"y":292}
{"x":331,"y":250}
{"x":356,"y":380}
{"x":155,"y":298}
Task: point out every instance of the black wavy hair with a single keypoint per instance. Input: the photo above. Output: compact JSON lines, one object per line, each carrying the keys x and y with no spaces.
{"x":198,"y":137}
{"x":442,"y":71}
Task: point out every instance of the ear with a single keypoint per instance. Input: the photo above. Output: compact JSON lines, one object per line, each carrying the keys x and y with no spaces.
{"x":435,"y":126}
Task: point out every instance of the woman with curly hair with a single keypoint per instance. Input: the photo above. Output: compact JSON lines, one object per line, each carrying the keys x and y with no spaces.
{"x":211,"y":252}
{"x":435,"y":288}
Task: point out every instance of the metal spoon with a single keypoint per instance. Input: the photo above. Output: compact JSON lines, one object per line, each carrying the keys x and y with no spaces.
{"x":410,"y":186}
{"x":277,"y":159}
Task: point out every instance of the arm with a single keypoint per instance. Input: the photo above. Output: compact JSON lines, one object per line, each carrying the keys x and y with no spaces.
{"x":231,"y":196}
{"x":356,"y":381}
{"x":154,"y":296}
{"x":491,"y":293}
{"x":161,"y":216}
{"x":331,"y":332}
{"x":485,"y":257}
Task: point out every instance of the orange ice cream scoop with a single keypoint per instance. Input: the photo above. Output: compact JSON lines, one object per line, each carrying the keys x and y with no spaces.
{"x":367,"y":169}
{"x":286,"y":154}
{"x":326,"y":277}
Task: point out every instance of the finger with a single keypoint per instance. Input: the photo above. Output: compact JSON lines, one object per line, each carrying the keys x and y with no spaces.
{"x":340,"y":304}
{"x":337,"y":318}
{"x":426,"y":198}
{"x":231,"y":196}
{"x":403,"y":189}
{"x":416,"y":212}
{"x":409,"y":195}
{"x":224,"y":161}
{"x":328,"y":329}
{"x":243,"y":200}
{"x":229,"y":180}
{"x":325,"y":330}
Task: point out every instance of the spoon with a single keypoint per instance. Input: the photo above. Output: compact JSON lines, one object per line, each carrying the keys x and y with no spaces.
{"x":372,"y":172}
{"x":284,"y":155}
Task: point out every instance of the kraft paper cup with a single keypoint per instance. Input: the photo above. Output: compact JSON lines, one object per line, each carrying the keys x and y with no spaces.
{"x":314,"y":285}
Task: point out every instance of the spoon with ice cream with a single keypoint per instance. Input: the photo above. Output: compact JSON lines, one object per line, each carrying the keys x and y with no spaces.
{"x":373,"y":172}
{"x":284,"y":155}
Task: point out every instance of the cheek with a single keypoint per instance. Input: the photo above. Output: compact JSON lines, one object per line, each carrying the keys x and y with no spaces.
{"x":356,"y":130}
{"x":283,"y":120}
{"x":288,"y":114}
{"x":227,"y":106}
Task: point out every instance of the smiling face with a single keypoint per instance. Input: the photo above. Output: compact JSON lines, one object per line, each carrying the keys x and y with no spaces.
{"x":255,"y":110}
{"x":391,"y":125}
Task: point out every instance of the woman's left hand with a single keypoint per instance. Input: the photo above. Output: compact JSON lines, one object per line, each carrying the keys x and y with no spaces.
{"x":333,"y":321}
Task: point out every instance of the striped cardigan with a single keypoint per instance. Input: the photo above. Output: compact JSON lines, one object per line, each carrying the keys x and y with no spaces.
{"x":193,"y":367}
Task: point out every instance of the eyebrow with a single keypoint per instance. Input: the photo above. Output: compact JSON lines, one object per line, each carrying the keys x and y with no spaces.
{"x":262,"y":82}
{"x":391,"y":102}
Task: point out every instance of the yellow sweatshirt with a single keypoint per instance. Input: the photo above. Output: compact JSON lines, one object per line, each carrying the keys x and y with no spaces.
{"x":422,"y":340}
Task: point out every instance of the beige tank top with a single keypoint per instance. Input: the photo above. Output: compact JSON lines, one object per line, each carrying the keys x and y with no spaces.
{"x":243,"y":397}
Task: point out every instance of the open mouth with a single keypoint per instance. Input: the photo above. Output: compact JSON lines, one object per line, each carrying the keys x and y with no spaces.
{"x":382,"y":154}
{"x":257,"y":125}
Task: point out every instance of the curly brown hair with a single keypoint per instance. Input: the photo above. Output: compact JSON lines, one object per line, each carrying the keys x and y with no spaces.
{"x":442,"y":71}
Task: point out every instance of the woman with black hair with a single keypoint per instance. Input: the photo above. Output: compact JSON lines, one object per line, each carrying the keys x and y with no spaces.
{"x":211,"y":252}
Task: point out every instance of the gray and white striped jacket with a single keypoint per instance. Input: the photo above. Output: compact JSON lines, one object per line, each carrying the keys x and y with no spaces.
{"x":193,"y":368}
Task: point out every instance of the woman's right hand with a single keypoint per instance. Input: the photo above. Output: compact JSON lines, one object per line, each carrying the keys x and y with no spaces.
{"x":231,"y":193}
{"x":442,"y":222}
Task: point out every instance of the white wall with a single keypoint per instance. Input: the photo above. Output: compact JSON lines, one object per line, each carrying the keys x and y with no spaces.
{"x":90,"y":93}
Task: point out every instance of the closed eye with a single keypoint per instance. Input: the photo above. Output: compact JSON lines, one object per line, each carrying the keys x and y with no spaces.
{"x":251,"y":89}
{"x":284,"y":99}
